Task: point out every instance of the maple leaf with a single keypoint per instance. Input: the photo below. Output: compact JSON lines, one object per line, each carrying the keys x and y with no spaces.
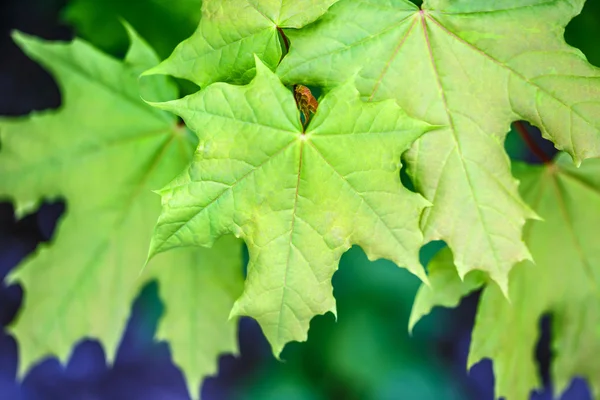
{"x":296,"y":197}
{"x":163,"y":23}
{"x":198,"y":287}
{"x":103,"y":151}
{"x":473,"y":66}
{"x":231,"y":31}
{"x":564,"y":281}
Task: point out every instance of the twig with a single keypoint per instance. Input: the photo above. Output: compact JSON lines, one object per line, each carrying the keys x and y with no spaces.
{"x":533,"y":146}
{"x":286,"y":41}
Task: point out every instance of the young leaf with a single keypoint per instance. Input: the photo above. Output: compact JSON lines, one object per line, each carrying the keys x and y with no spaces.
{"x":299,"y":199}
{"x":473,"y":66}
{"x":163,"y":23}
{"x":231,"y":31}
{"x":103,"y":151}
{"x":564,"y":282}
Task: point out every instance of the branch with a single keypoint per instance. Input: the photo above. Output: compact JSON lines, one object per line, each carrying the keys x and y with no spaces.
{"x":286,"y":41}
{"x":533,"y":146}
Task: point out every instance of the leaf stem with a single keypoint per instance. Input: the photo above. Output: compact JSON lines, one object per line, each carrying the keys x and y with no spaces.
{"x":533,"y":146}
{"x":286,"y":41}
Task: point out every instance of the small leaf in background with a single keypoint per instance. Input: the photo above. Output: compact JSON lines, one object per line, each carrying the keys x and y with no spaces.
{"x":103,"y":152}
{"x":474,"y":67}
{"x":163,"y":23}
{"x":564,"y":281}
{"x":295,"y":196}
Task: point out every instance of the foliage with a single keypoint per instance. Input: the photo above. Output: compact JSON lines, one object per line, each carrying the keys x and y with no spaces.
{"x":294,"y":196}
{"x":222,"y":49}
{"x":470,"y":67}
{"x":437,"y":85}
{"x":163,"y":23}
{"x":103,"y":152}
{"x":564,"y":281}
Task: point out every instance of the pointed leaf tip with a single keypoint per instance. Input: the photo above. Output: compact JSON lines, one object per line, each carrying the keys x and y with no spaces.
{"x":156,"y":70}
{"x":23,"y":39}
{"x":131,"y":32}
{"x":262,"y":69}
{"x":18,"y":35}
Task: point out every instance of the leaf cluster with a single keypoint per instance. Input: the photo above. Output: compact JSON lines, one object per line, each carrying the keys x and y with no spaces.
{"x":300,"y":180}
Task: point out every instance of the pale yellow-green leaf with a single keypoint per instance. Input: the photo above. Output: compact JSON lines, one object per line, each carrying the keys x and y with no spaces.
{"x":298,"y":198}
{"x":475,"y":67}
{"x":103,"y":152}
{"x":564,"y":282}
{"x":231,"y":32}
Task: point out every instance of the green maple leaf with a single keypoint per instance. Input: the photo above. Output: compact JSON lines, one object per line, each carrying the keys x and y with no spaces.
{"x":103,"y":151}
{"x":163,"y":23}
{"x":564,"y":281}
{"x":231,"y":31}
{"x":297,"y":198}
{"x":473,"y":66}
